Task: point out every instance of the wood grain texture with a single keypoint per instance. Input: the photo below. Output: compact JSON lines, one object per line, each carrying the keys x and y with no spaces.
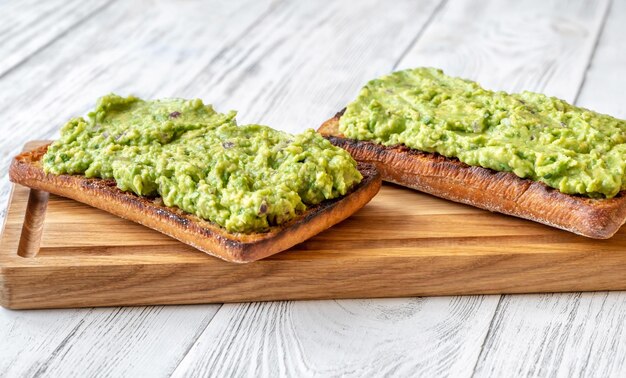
{"x":306,"y":59}
{"x":27,"y":26}
{"x":537,"y":45}
{"x":131,"y":342}
{"x":352,"y":338}
{"x":450,"y":253}
{"x":557,"y":335}
{"x":604,"y":88}
{"x":64,"y":74}
{"x":579,"y":334}
{"x":134,"y":47}
{"x":123,"y":49}
{"x":506,"y":45}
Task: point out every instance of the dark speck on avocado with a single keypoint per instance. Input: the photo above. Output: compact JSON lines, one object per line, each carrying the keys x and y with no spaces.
{"x":248,"y":189}
{"x":534,"y":136}
{"x":263,"y":208}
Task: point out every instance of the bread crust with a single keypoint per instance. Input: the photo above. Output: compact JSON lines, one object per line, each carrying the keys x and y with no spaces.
{"x":26,"y":169}
{"x":502,"y":192}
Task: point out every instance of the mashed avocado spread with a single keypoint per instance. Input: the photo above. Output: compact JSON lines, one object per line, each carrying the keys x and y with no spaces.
{"x":244,"y":178}
{"x":572,"y":149}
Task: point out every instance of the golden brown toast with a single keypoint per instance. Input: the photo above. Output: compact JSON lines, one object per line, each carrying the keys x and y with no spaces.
{"x":26,"y":169}
{"x":501,"y":192}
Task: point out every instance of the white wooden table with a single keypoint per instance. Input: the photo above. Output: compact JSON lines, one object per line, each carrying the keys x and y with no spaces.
{"x":292,"y":65}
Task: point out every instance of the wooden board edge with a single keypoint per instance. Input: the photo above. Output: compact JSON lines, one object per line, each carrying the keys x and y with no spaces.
{"x":395,"y":276}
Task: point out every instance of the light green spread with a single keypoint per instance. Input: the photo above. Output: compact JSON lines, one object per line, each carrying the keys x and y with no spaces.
{"x":572,"y":149}
{"x":244,"y":178}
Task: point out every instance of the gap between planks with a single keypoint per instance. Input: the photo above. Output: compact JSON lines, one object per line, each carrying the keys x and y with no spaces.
{"x":201,"y":330}
{"x":594,"y":49}
{"x":606,"y":40}
{"x":596,"y":42}
{"x":412,"y":43}
{"x":91,"y":315}
{"x":207,"y":324}
{"x":596,"y":28}
{"x":419,"y":34}
{"x":57,"y":37}
{"x":489,"y":330}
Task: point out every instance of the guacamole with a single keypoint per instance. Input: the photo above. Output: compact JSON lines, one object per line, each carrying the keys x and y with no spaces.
{"x":572,"y":149}
{"x":244,"y":178}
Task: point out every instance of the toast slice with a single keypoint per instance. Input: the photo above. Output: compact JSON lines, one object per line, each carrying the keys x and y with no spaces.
{"x":26,"y":169}
{"x":501,"y":192}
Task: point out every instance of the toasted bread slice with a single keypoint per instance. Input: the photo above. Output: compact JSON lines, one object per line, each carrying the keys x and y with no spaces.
{"x":501,"y":192}
{"x":26,"y":169}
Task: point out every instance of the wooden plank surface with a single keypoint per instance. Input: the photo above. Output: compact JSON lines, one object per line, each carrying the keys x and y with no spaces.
{"x":46,"y":80}
{"x":132,"y":341}
{"x":67,"y":257}
{"x":578,"y":334}
{"x":135,"y":47}
{"x":110,"y":53}
{"x":493,"y":43}
{"x":355,"y":338}
{"x":28,"y":26}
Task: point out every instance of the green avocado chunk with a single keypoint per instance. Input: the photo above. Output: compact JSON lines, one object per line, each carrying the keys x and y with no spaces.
{"x":572,"y":149}
{"x":244,"y":178}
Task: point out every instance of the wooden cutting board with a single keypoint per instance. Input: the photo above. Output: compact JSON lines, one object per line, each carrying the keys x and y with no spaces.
{"x":57,"y":252}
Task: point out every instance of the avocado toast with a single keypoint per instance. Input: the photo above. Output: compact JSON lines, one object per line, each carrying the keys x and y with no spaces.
{"x":240,"y":193}
{"x":526,"y":154}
